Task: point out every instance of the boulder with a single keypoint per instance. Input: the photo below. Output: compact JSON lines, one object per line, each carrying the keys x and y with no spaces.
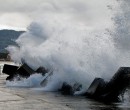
{"x":110,"y":91}
{"x":9,"y":69}
{"x":24,"y":71}
{"x":42,"y":70}
{"x":68,"y":89}
{"x":96,"y":88}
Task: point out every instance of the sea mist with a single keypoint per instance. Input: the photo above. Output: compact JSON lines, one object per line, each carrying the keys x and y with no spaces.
{"x":76,"y":39}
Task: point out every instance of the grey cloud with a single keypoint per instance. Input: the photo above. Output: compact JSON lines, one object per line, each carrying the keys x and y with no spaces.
{"x":18,"y":5}
{"x":23,"y":5}
{"x":78,"y":10}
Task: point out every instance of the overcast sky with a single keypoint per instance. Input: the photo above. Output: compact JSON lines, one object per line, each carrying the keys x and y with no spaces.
{"x":20,"y":13}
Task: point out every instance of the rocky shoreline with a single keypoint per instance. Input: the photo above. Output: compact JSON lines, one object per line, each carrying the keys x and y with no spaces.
{"x":5,"y":57}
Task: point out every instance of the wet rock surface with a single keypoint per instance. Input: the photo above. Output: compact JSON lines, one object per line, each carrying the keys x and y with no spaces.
{"x":112,"y":90}
{"x":99,"y":89}
{"x":12,"y":98}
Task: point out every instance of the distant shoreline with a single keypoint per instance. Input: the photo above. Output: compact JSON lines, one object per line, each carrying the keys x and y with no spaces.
{"x":5,"y":57}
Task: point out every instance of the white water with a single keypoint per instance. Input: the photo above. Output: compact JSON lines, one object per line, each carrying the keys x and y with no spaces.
{"x":75,"y":38}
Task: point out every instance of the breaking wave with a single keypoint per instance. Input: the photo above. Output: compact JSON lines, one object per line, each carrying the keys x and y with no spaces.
{"x":77,"y":40}
{"x":32,"y":81}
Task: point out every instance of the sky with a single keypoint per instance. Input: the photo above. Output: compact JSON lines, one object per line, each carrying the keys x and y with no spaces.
{"x":20,"y":13}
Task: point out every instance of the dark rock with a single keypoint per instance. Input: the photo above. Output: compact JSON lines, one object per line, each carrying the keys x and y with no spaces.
{"x":67,"y":89}
{"x":47,"y":76}
{"x":110,"y":92}
{"x":9,"y":69}
{"x":117,"y":85}
{"x":76,"y":87}
{"x":42,"y":70}
{"x":96,"y":88}
{"x":10,"y":78}
{"x":25,"y":71}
